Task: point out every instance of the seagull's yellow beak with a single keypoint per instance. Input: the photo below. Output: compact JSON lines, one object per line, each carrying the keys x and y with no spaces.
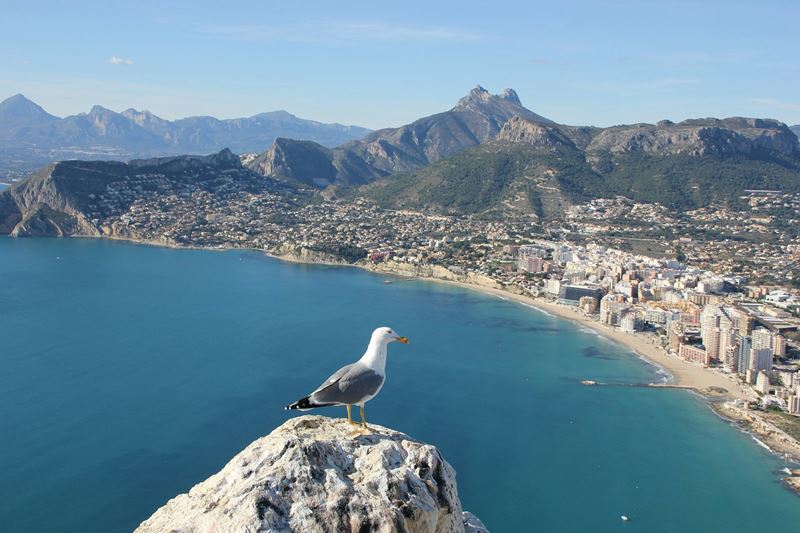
{"x":404,"y":340}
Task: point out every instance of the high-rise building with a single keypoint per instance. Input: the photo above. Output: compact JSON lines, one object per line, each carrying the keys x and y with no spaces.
{"x":779,"y":345}
{"x":727,"y":338}
{"x":730,"y":359}
{"x":712,"y":343}
{"x":762,"y":338}
{"x":762,"y":383}
{"x":530,"y":264}
{"x":674,"y":335}
{"x":628,"y":323}
{"x":760,"y":359}
{"x":743,"y":360}
{"x":794,"y":405}
{"x":571,"y":294}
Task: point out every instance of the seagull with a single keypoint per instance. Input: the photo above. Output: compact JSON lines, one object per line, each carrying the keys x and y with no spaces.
{"x":357,"y":383}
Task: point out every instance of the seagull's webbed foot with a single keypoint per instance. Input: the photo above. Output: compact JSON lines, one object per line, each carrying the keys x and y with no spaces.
{"x":350,"y":417}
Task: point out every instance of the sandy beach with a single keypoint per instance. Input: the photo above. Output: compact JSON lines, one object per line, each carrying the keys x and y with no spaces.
{"x":684,"y":374}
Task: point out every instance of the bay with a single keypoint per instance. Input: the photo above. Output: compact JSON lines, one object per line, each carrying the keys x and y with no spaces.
{"x":129,"y":373}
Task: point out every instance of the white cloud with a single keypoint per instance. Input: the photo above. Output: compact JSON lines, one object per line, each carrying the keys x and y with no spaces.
{"x":116,"y":60}
{"x":343,"y":31}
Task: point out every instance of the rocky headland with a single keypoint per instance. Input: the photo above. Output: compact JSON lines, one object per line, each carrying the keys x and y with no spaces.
{"x":317,"y":474}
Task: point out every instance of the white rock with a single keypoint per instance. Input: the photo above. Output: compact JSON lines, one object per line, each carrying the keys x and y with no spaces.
{"x":316,"y":474}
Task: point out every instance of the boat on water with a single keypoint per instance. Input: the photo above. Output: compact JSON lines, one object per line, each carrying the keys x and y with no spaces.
{"x":624,"y":518}
{"x":387,"y":281}
{"x":588,"y":382}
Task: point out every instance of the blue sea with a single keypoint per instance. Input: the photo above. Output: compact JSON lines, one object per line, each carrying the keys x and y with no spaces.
{"x":129,"y":373}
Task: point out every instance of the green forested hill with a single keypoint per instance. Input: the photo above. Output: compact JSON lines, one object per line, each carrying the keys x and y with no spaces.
{"x":521,"y":178}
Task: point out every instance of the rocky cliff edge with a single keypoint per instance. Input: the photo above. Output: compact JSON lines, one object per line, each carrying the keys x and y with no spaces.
{"x":316,"y":474}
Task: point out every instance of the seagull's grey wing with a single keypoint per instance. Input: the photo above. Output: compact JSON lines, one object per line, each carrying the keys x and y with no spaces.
{"x":334,"y":377}
{"x":351,"y":385}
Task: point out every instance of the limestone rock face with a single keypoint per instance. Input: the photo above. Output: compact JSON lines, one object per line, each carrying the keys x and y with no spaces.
{"x":300,"y":254}
{"x":316,"y":474}
{"x":518,"y":129}
{"x":699,"y":137}
{"x":303,"y":161}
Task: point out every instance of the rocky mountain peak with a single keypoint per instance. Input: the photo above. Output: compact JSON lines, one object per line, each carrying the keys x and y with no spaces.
{"x":98,"y":110}
{"x":148,"y":120}
{"x":18,"y":111}
{"x":134,"y":113}
{"x":17,"y":100}
{"x":477,"y":95}
{"x":316,"y":474}
{"x":511,"y":95}
{"x":500,"y":107}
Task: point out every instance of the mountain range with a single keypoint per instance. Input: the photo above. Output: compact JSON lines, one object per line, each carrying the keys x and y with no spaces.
{"x":489,"y":153}
{"x":533,"y":168}
{"x":30,"y":136}
{"x":475,"y":119}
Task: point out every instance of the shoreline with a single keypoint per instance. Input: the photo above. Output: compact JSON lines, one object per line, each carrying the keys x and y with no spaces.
{"x":764,"y":433}
{"x":680,"y":374}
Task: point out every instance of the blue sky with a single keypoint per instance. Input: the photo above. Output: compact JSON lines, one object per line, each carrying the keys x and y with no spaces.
{"x":381,"y":64}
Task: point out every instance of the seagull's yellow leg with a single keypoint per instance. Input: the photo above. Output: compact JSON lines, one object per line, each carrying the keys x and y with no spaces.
{"x":363,"y":420}
{"x":349,"y":416}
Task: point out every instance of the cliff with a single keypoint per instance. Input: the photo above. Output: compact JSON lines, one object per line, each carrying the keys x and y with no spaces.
{"x":432,"y":271}
{"x":315,"y":474}
{"x":301,"y":254}
{"x":699,"y":137}
{"x":696,"y":137}
{"x":119,"y":200}
{"x":303,"y":161}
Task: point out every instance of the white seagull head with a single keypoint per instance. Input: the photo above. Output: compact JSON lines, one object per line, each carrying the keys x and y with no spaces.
{"x":386,"y":335}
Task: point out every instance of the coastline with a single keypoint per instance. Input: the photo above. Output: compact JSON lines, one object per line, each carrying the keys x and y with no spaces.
{"x":707,"y":383}
{"x":765,"y":433}
{"x":681,"y":374}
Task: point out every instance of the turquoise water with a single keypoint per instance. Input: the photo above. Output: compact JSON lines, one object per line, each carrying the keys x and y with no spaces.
{"x":129,"y":373}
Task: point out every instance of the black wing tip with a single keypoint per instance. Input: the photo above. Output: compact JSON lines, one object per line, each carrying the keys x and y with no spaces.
{"x":302,"y":403}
